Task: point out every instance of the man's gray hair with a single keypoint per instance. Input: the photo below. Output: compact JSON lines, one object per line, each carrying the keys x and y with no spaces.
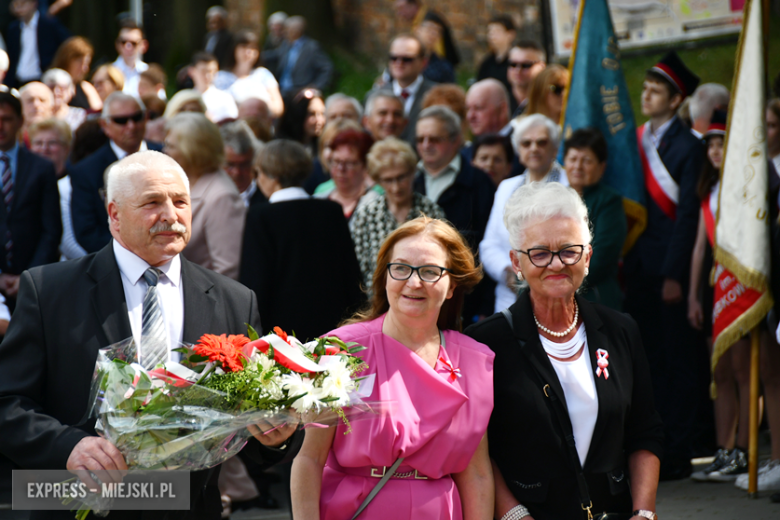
{"x":296,"y":21}
{"x":339,"y":96}
{"x":540,"y":201}
{"x":239,"y":137}
{"x":387,"y":94}
{"x":119,"y":178}
{"x":277,"y":17}
{"x":119,"y":96}
{"x":217,"y":10}
{"x":522,"y":124}
{"x":56,"y":77}
{"x":706,"y":99}
{"x":444,"y":115}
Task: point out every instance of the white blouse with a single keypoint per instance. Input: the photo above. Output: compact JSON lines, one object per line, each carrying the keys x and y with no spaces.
{"x":579,"y":388}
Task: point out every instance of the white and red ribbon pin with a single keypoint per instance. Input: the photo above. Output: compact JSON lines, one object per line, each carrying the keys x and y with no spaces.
{"x":601,"y":359}
{"x":454,"y":372}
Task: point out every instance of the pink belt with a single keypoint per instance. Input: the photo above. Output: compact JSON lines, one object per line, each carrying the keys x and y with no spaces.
{"x":403,"y":472}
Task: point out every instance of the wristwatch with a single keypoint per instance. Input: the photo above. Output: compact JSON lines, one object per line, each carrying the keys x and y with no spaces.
{"x":644,"y":513}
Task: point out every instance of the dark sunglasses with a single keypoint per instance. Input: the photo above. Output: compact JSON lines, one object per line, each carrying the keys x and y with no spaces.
{"x":402,"y":59}
{"x":557,"y":89}
{"x":522,"y":64}
{"x":122,"y":120}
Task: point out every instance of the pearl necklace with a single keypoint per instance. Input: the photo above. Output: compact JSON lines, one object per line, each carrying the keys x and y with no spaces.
{"x":565,"y":332}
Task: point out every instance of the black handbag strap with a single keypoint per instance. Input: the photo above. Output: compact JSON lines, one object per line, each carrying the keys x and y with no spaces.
{"x":565,"y":423}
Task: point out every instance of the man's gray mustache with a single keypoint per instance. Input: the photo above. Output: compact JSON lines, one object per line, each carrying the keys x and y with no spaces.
{"x":162,"y":227}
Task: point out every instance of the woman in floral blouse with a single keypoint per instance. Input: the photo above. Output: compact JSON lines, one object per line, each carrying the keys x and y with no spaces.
{"x":392,"y":164}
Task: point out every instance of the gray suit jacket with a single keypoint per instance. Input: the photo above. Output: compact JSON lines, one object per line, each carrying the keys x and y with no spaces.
{"x":313,"y":67}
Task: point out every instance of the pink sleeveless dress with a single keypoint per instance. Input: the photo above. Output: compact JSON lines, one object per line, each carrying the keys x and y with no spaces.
{"x":436,"y":423}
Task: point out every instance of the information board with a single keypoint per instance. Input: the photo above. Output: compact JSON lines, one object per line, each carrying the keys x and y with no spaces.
{"x":644,"y":23}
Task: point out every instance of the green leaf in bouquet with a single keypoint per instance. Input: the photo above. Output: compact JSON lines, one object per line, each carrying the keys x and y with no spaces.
{"x":287,"y":403}
{"x":329,"y":399}
{"x":353,"y":350}
{"x":252,"y":333}
{"x":336,"y":341}
{"x":270,"y":352}
{"x":181,"y":350}
{"x":197,"y":358}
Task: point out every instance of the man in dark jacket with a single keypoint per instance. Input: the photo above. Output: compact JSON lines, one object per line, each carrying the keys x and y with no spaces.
{"x":32,"y":41}
{"x":300,"y":61}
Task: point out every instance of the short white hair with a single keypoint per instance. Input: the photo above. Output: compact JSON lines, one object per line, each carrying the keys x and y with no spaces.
{"x":538,"y":201}
{"x":57,"y":77}
{"x":706,"y":98}
{"x":338,"y":96}
{"x":446,"y":116}
{"x":217,"y":10}
{"x":522,"y":124}
{"x":380,"y":94}
{"x":120,"y":175}
{"x":118,"y":96}
{"x":277,"y":17}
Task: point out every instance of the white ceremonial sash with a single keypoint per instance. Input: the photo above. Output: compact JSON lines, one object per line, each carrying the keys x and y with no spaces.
{"x":658,"y":181}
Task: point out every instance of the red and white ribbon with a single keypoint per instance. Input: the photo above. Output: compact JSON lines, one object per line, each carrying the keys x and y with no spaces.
{"x":659,"y":182}
{"x":601,"y":359}
{"x":454,"y":372}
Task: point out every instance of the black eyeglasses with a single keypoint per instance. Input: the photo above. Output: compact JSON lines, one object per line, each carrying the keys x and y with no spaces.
{"x":522,"y":64}
{"x":402,"y":59}
{"x":557,"y":89}
{"x":542,"y":257}
{"x":427,"y":273}
{"x":122,"y":120}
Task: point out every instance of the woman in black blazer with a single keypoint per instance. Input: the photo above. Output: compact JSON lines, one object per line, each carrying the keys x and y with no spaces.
{"x":566,"y":366}
{"x":298,"y":254}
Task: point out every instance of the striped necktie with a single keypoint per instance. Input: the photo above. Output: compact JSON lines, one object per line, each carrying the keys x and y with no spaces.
{"x":154,"y":341}
{"x":8,"y":197}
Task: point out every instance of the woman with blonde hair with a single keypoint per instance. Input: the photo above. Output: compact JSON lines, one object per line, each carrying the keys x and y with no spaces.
{"x":218,"y":212}
{"x":546,"y":93}
{"x":432,"y":449}
{"x":187,"y":100}
{"x":391,"y":164}
{"x":107,"y":79}
{"x":75,"y":56}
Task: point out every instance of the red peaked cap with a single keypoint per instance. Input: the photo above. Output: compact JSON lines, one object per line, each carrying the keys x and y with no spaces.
{"x":717,"y":124}
{"x":674,"y":70}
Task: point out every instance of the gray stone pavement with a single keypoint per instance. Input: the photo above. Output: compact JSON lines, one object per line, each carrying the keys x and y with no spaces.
{"x":677,"y":500}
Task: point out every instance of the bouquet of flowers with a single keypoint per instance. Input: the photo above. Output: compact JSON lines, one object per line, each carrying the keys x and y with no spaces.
{"x":193,"y":414}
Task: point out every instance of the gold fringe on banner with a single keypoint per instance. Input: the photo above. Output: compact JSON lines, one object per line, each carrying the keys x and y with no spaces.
{"x":637,"y":220}
{"x":747,"y":276}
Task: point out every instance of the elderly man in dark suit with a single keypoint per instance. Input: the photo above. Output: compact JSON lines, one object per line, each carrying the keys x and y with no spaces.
{"x":464,"y":192}
{"x":67,"y":311}
{"x":218,"y":41}
{"x":30,"y":57}
{"x":299,"y":61}
{"x":124,"y":122}
{"x":31,"y":200}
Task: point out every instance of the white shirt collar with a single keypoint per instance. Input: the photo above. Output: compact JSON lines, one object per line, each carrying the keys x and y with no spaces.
{"x":658,"y":134}
{"x":285,"y":194}
{"x":121,"y":154}
{"x":33,"y":21}
{"x":411,"y":89}
{"x":133,"y":266}
{"x":506,"y":130}
{"x":453,"y":166}
{"x":248,"y":193}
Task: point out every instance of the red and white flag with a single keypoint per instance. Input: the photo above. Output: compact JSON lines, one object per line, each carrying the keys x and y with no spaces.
{"x":742,"y":247}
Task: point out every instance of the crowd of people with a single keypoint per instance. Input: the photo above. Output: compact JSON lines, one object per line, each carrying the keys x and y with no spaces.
{"x":404,"y":218}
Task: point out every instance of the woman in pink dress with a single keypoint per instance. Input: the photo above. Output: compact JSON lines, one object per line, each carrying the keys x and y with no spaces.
{"x":439,"y":381}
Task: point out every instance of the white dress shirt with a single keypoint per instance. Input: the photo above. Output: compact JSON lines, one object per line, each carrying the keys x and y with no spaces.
{"x":411,"y":89}
{"x":248,"y":193}
{"x":285,"y":194}
{"x":495,"y":247}
{"x":169,"y":291}
{"x":132,"y":74}
{"x":69,"y":247}
{"x":437,"y":184}
{"x":121,"y":154}
{"x":658,"y":134}
{"x":29,"y":66}
{"x":219,"y":105}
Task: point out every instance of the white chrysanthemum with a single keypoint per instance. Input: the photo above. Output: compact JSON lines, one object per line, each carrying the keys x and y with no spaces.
{"x":338,"y":383}
{"x":297,"y":385}
{"x":263,"y":362}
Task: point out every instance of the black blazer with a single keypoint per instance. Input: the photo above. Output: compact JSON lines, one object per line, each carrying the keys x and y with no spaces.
{"x":223,"y":46}
{"x":87,"y":207}
{"x":51,"y":34}
{"x":525,"y":440}
{"x":65,"y":312}
{"x":299,"y":258}
{"x":664,"y":248}
{"x":34,"y":216}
